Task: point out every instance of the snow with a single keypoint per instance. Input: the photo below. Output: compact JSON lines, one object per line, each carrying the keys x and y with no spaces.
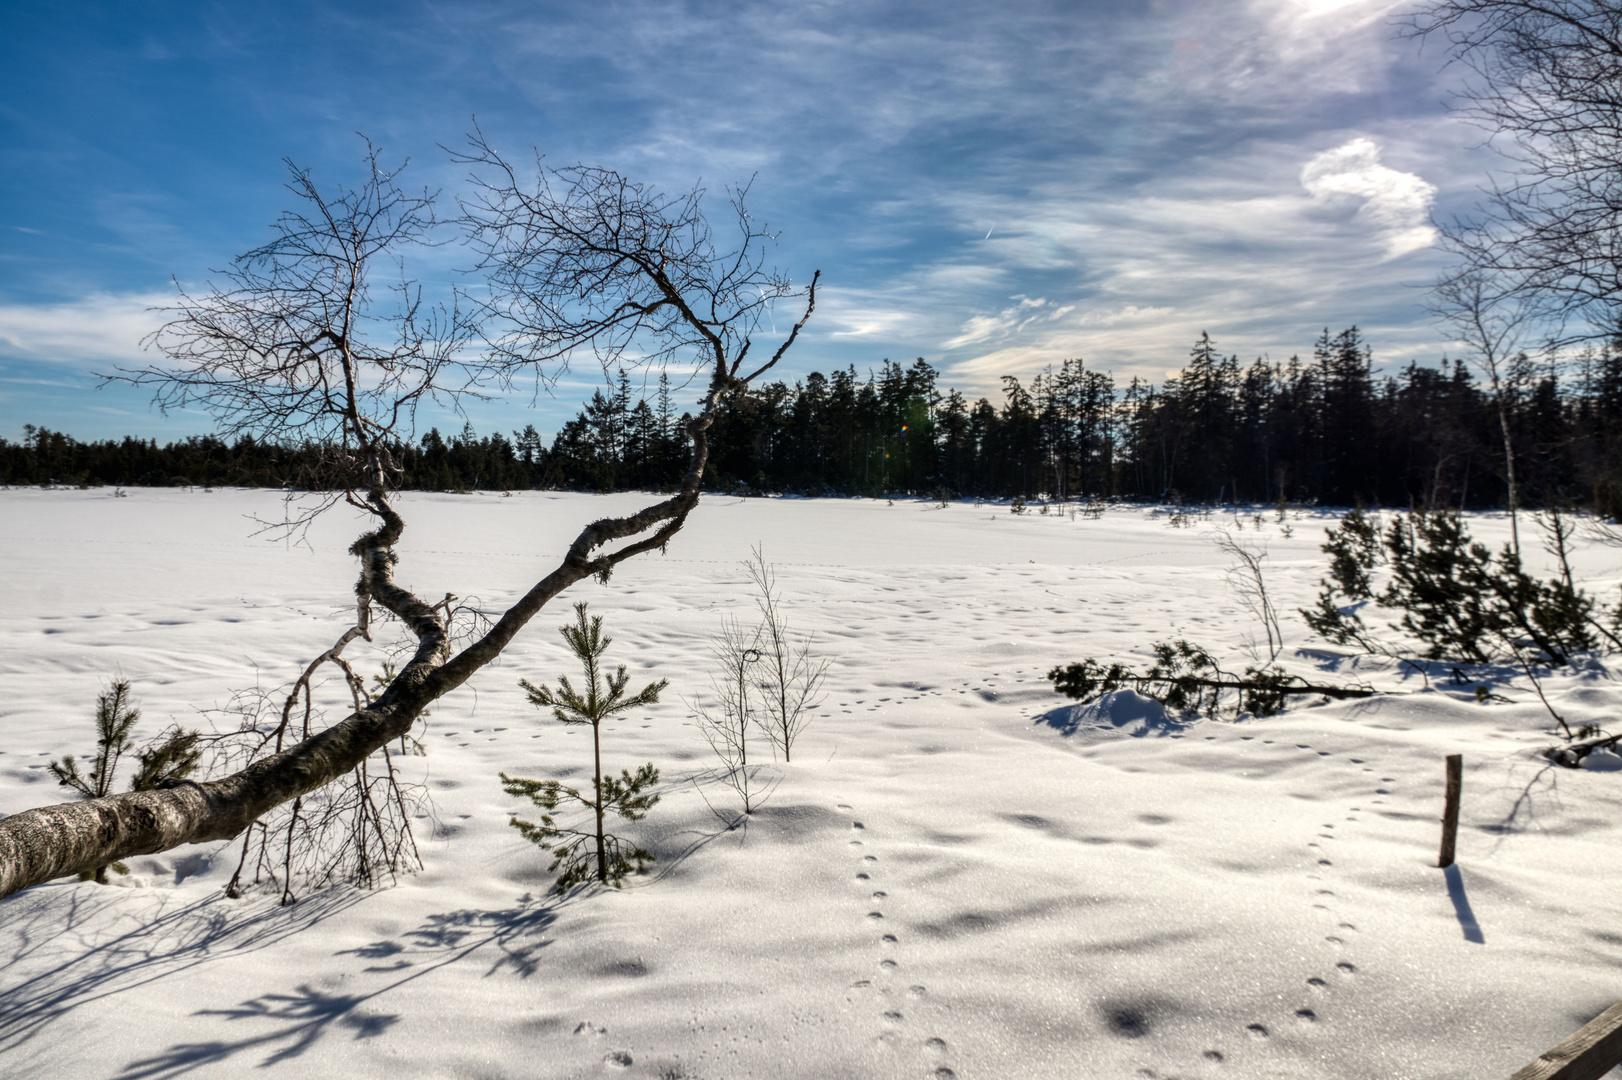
{"x":960,"y":874}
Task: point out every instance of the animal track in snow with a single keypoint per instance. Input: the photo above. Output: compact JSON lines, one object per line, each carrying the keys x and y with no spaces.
{"x":892,"y":1020}
{"x":1326,"y":900}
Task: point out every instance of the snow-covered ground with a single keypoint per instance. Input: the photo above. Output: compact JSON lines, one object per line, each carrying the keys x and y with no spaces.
{"x":958,"y":875}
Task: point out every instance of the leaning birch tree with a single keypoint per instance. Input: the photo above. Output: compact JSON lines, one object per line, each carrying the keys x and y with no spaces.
{"x":304,"y":339}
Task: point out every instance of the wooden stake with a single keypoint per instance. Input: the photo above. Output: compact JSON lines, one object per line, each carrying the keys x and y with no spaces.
{"x":1450,"y":814}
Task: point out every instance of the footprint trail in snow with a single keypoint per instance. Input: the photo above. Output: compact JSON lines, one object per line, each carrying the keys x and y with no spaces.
{"x":888,"y":983}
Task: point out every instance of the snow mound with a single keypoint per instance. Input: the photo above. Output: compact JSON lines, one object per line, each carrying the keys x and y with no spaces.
{"x":1117,"y":713}
{"x":1603,"y":761}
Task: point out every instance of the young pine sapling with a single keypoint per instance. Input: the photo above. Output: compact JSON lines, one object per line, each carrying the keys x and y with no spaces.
{"x":592,"y":853}
{"x":1353,"y":549}
{"x":170,"y":757}
{"x":1453,"y":594}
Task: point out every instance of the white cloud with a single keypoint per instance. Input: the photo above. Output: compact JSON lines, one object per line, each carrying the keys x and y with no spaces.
{"x":854,"y":316}
{"x":1009,"y":322}
{"x":1397,"y":204}
{"x":101,"y":327}
{"x":1262,"y":249}
{"x":1129,"y":314}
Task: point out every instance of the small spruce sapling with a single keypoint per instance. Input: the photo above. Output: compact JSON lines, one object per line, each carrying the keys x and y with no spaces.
{"x":1454,"y":596}
{"x":165,"y":760}
{"x":594,"y":853}
{"x":1353,"y":550}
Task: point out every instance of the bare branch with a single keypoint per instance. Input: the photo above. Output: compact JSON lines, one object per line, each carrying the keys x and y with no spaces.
{"x":1545,"y":82}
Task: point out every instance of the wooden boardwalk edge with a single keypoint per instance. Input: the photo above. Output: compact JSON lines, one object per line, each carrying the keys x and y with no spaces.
{"x":1588,"y":1055}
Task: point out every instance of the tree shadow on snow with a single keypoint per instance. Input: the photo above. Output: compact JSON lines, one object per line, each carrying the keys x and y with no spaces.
{"x":673,"y":846}
{"x":1522,"y":815}
{"x":285,"y":1025}
{"x":87,"y":944}
{"x":303,"y":1017}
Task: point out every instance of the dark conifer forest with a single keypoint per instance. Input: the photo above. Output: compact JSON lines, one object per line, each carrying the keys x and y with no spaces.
{"x":1323,"y":429}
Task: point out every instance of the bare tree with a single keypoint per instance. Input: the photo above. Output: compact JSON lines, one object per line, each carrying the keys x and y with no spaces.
{"x":1545,"y":81}
{"x":1245,"y":579}
{"x":1492,"y":325}
{"x":297,"y":345}
{"x":726,"y":719}
{"x":791,"y":676}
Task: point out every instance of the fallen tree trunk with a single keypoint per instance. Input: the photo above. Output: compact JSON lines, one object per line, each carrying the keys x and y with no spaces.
{"x":71,"y":838}
{"x":1571,"y":755}
{"x":1185,"y":676}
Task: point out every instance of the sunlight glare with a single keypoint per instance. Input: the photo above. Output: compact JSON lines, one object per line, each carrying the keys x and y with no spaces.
{"x":1324,"y":7}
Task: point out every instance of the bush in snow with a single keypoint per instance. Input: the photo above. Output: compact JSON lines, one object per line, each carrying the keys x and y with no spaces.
{"x":726,"y":716}
{"x":1457,"y":597}
{"x":1186,"y":678}
{"x":790,"y":675}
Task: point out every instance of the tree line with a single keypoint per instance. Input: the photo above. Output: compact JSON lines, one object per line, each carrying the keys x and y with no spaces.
{"x":1325,"y":428}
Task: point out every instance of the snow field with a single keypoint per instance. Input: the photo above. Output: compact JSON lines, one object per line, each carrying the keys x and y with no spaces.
{"x":959,"y":875}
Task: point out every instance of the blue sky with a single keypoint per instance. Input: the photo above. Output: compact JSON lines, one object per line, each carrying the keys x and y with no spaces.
{"x":993,"y":187}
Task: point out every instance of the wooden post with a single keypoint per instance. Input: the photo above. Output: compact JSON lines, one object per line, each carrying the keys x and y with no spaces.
{"x":1587,"y":1055}
{"x":1450,"y":814}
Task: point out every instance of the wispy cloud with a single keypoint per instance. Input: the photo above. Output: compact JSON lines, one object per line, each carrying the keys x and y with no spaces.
{"x":1259,"y":250}
{"x":1009,"y":322}
{"x":103,"y":327}
{"x":994,"y":187}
